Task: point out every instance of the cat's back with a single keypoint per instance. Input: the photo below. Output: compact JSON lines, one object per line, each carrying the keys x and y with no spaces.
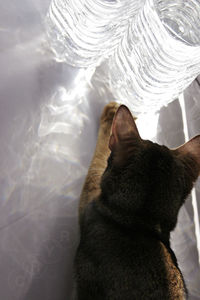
{"x":124,"y":265}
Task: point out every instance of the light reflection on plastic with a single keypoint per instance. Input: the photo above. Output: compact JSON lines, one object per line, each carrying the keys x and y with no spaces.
{"x":55,"y":165}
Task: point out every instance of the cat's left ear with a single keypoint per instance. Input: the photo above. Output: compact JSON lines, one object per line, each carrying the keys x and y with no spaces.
{"x":192,"y":147}
{"x":123,"y":127}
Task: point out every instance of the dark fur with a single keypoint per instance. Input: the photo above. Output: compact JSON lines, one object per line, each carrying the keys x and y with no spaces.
{"x":120,"y":255}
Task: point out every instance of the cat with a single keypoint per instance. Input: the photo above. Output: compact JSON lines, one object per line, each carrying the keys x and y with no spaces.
{"x":128,"y":207}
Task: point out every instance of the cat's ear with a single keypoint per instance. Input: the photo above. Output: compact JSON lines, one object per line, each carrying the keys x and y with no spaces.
{"x":192,"y":147}
{"x":123,"y":127}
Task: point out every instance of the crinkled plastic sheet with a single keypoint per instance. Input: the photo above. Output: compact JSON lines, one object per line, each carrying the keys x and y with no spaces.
{"x":49,"y":114}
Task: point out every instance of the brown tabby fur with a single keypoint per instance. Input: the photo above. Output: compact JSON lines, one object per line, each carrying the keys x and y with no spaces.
{"x":91,"y":190}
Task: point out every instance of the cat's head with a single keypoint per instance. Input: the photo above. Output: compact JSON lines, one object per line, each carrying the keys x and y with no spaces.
{"x":144,"y":179}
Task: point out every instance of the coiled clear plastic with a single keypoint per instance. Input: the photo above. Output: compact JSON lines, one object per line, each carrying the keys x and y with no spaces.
{"x":159,"y":56}
{"x":82,"y":32}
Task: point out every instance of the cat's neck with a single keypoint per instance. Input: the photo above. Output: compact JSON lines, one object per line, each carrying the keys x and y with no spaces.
{"x":131,"y":223}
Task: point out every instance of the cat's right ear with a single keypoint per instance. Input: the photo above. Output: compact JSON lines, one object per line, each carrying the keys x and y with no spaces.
{"x":192,"y":147}
{"x":123,"y":127}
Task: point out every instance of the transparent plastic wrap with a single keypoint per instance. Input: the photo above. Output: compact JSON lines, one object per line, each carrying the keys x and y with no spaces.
{"x":49,"y":114}
{"x":158,"y":56}
{"x":82,"y":32}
